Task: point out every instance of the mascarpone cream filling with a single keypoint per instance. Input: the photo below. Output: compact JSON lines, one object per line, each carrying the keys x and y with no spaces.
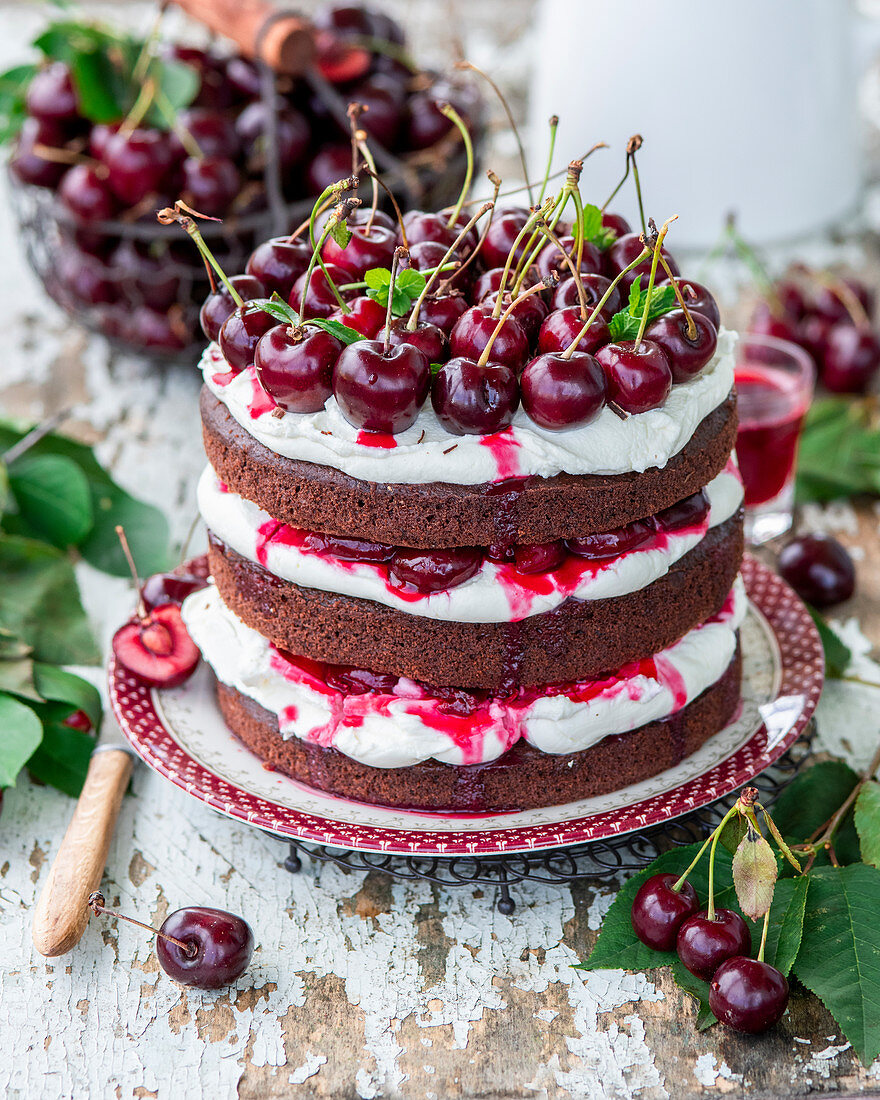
{"x":496,"y":593}
{"x":426,"y":452}
{"x":401,"y":729}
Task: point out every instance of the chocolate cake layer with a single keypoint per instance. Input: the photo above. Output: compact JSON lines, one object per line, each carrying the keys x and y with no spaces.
{"x":529,"y":510}
{"x":579,"y":640}
{"x":523,"y":778}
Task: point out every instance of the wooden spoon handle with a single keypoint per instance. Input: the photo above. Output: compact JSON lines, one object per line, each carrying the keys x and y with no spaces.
{"x":284,"y":41}
{"x":62,"y":911}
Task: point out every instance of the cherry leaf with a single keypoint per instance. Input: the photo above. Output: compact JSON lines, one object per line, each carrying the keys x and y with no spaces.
{"x":22,"y":733}
{"x":276,"y":307}
{"x":340,"y":232}
{"x":754,"y":874}
{"x":867,"y":816}
{"x":837,"y":654}
{"x":735,"y":828}
{"x":341,"y":331}
{"x":698,"y":989}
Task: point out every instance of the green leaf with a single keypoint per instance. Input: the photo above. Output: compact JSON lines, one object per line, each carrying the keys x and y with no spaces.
{"x":61,"y":686}
{"x":867,"y":820}
{"x":63,"y":756}
{"x":20,"y":734}
{"x":99,"y":94}
{"x":785,"y":930}
{"x":276,"y":307}
{"x":178,"y":83}
{"x":839,"y":959}
{"x":39,"y":602}
{"x":17,"y":678}
{"x":811,"y":799}
{"x":839,"y":452}
{"x":735,"y":828}
{"x":53,"y":496}
{"x":754,"y":874}
{"x":407,"y":287}
{"x":13,"y":90}
{"x":837,"y":654}
{"x":145,"y":526}
{"x":698,"y":989}
{"x":625,"y":324}
{"x":340,"y":232}
{"x":411,"y":282}
{"x":592,"y":221}
{"x":338,"y":329}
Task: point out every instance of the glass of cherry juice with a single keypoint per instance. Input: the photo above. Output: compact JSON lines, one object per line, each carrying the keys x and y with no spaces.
{"x":774,"y":383}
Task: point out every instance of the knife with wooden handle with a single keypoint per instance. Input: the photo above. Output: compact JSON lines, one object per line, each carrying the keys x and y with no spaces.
{"x":62,"y":911}
{"x":285,"y":41}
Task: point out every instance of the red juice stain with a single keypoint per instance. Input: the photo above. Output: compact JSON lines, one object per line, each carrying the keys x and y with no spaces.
{"x":503,"y":447}
{"x":223,"y":378}
{"x":376,"y":439}
{"x":260,"y":402}
{"x":771,"y":414}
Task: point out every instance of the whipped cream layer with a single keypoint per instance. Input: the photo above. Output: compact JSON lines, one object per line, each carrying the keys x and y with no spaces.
{"x":426,"y":452}
{"x":408,"y":725}
{"x":496,"y":593}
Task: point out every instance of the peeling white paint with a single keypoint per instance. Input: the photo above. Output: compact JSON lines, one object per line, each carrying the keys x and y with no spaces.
{"x":308,"y":1069}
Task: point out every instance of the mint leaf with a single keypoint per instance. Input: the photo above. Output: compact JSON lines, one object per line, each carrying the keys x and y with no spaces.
{"x":59,"y":685}
{"x":592,"y":221}
{"x":635,"y":295}
{"x":62,"y":758}
{"x":52,"y":494}
{"x":867,"y":821}
{"x":810,"y":800}
{"x":337,"y":328}
{"x":411,"y":282}
{"x":837,"y":654}
{"x":22,"y":733}
{"x":407,"y":287}
{"x":625,"y":324}
{"x":839,"y":959}
{"x":698,"y":989}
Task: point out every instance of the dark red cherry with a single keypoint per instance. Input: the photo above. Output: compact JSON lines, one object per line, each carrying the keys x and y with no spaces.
{"x":220,"y":946}
{"x":765,"y":323}
{"x":428,"y":255}
{"x":378,"y":390}
{"x":698,"y":298}
{"x":157,"y":648}
{"x":214,"y":88}
{"x":611,"y":544}
{"x":210,"y":184}
{"x":359,"y":21}
{"x":278,"y":263}
{"x":690,"y":512}
{"x":658,"y":911}
{"x":243,"y":76}
{"x":348,"y":549}
{"x":561,"y":327}
{"x":214,"y":132}
{"x":421,"y":225}
{"x":51,"y":96}
{"x":551,"y":260}
{"x":157,"y":329}
{"x":470,"y":399}
{"x":617,"y":224}
{"x":828,"y":303}
{"x":622,"y":253}
{"x":473,"y":330}
{"x":28,"y":165}
{"x":435,"y":570}
{"x":687,"y":356}
{"x":358,"y":681}
{"x":86,"y":195}
{"x":293,"y":141}
{"x":320,"y":301}
{"x":365,"y":316}
{"x":385,"y":109}
{"x":639,"y":375}
{"x":529,"y":314}
{"x":78,"y":720}
{"x":137,"y":163}
{"x":819,"y":569}
{"x":429,"y":339}
{"x":85,"y":278}
{"x":144,"y":277}
{"x":560,"y":393}
{"x":295,"y":366}
{"x":748,"y":995}
{"x":329,"y":164}
{"x":539,"y":557}
{"x":812,"y":334}
{"x":219,"y":304}
{"x":703,"y":944}
{"x":240,"y":334}
{"x":424,"y":124}
{"x":363,"y":251}
{"x":794,"y":301}
{"x":164,"y":588}
{"x":852,"y":358}
{"x":500,"y":236}
{"x":487,"y":283}
{"x":595,"y":288}
{"x":443,"y":310}
{"x":340,"y":61}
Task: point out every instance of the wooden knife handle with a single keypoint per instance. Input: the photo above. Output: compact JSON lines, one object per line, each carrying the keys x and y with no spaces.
{"x":287,"y":45}
{"x":62,"y":911}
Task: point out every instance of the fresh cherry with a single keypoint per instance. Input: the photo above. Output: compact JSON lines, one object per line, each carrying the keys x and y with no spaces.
{"x":210,"y":183}
{"x":78,"y":720}
{"x":690,"y":512}
{"x":622,"y":253}
{"x":551,"y":259}
{"x":617,"y":224}
{"x":500,"y":236}
{"x":157,"y":648}
{"x":852,"y":358}
{"x":214,"y":133}
{"x":164,"y":588}
{"x":828,"y":303}
{"x":27,"y":164}
{"x":385,"y":109}
{"x":639,"y":375}
{"x":421,"y":225}
{"x":658,"y":911}
{"x":86,"y":195}
{"x":699,"y":299}
{"x":430,"y":340}
{"x":278,"y":263}
{"x":561,"y":327}
{"x":748,"y":995}
{"x":470,"y":399}
{"x":424,"y":122}
{"x":137,"y":163}
{"x":293,"y":139}
{"x":794,"y":301}
{"x":365,"y":316}
{"x":443,"y":310}
{"x":320,"y":300}
{"x":365,"y":250}
{"x":813,"y":333}
{"x":380,"y":390}
{"x":473,"y":330}
{"x":435,"y":570}
{"x":595,"y":288}
{"x":328,"y":165}
{"x":765,"y":322}
{"x":427,"y":255}
{"x":240,"y":333}
{"x":157,"y":329}
{"x":704,"y":944}
{"x":818,"y":568}
{"x":562,"y":393}
{"x":295,"y":366}
{"x":529,"y":313}
{"x":219,"y":305}
{"x":539,"y":557}
{"x":51,"y":96}
{"x":687,"y":355}
{"x":219,"y":946}
{"x":611,"y":544}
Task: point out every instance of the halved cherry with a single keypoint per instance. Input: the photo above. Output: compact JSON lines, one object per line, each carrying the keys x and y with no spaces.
{"x":157,"y":648}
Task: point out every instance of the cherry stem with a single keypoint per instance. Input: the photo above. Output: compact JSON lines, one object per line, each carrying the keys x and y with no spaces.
{"x":335,"y":189}
{"x":632,"y":147}
{"x":620,"y":184}
{"x":575,"y":271}
{"x":545,"y":284}
{"x":359,"y":145}
{"x":711,"y":907}
{"x":472,"y":255}
{"x":414,"y":315}
{"x":129,"y":557}
{"x":170,"y":215}
{"x":570,"y":350}
{"x":97,"y":905}
{"x":677,"y":885}
{"x":554,"y":126}
{"x":450,"y":112}
{"x":171,"y":116}
{"x":139,"y":108}
{"x":374,"y":175}
{"x":400,"y":253}
{"x":850,"y":300}
{"x":758,"y":272}
{"x":834,"y":821}
{"x":529,"y":227}
{"x":535,"y":243}
{"x":577,"y":166}
{"x":336,"y":218}
{"x":553,"y":175}
{"x":322,"y":204}
{"x":522,"y":153}
{"x":764,"y":936}
{"x":658,"y":244}
{"x":67,"y":156}
{"x":145,"y":57}
{"x":692,"y":328}
{"x":33,"y":437}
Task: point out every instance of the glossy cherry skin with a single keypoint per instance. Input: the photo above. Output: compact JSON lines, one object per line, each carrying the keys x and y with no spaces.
{"x":363,"y":251}
{"x":429,"y":339}
{"x":278,"y":263}
{"x":500,"y":236}
{"x":529,"y":314}
{"x":51,"y":96}
{"x":560,"y":393}
{"x":428,"y":255}
{"x":488,"y":282}
{"x":703,"y":944}
{"x":539,"y":557}
{"x":658,"y":911}
{"x":690,"y":512}
{"x":617,"y":223}
{"x":639,"y":375}
{"x":611,"y":544}
{"x":219,"y":304}
{"x":164,"y":588}
{"x":385,"y":111}
{"x":239,"y":335}
{"x":794,"y":301}
{"x":435,"y":570}
{"x":157,"y":649}
{"x":827,"y":302}
{"x":765,"y":323}
{"x":595,"y":288}
{"x":424,"y":123}
{"x":852,"y":358}
{"x":812,"y":333}
{"x":214,"y":132}
{"x":349,"y":549}
{"x":551,"y":259}
{"x":687,"y":356}
{"x":137,"y":164}
{"x":365,"y":316}
{"x":473,"y":400}
{"x":560,"y":329}
{"x":443,"y":310}
{"x":223,"y":945}
{"x":28,"y":165}
{"x":327,"y":165}
{"x":421,"y":225}
{"x":819,"y":569}
{"x":473,"y":331}
{"x":86,"y":194}
{"x":85,"y":278}
{"x":294,"y":135}
{"x":622,"y":253}
{"x":210,"y":184}
{"x":698,"y":298}
{"x":295,"y":366}
{"x":748,"y":995}
{"x":320,"y":300}
{"x":378,"y":390}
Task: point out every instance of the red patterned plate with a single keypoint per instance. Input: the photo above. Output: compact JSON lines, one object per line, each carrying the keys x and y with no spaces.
{"x":181,"y":734}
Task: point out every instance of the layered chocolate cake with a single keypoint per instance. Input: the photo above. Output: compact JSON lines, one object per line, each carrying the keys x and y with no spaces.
{"x":417,"y":613}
